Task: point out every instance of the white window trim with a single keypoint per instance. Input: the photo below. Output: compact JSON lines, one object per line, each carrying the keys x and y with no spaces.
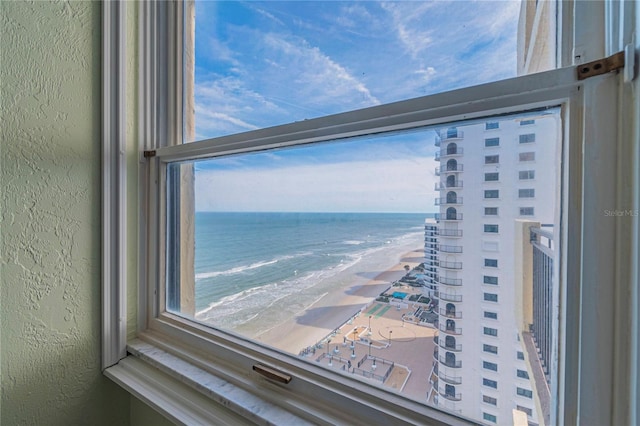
{"x":114,"y":266}
{"x":583,"y":395}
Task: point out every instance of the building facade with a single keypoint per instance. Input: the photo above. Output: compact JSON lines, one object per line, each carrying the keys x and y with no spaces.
{"x":492,"y":174}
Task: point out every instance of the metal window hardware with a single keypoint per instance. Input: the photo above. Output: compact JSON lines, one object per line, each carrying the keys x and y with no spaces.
{"x":149,"y":154}
{"x":601,"y":66}
{"x":272,"y":373}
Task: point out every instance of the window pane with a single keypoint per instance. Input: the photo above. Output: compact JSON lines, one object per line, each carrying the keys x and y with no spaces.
{"x":491,"y":177}
{"x":526,"y":174}
{"x":490,"y":366}
{"x":527,"y":193}
{"x":491,"y":159}
{"x":526,"y":211}
{"x":490,"y":315}
{"x":361,"y":251}
{"x":490,"y":383}
{"x":528,"y":138}
{"x":491,"y":193}
{"x":491,"y":211}
{"x":492,"y":142}
{"x":490,"y":280}
{"x":527,"y":156}
{"x":491,"y":228}
{"x":489,"y":400}
{"x":489,"y":417}
{"x":259,"y":64}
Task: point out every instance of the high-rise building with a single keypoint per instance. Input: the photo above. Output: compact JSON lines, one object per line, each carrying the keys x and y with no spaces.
{"x":493,"y":176}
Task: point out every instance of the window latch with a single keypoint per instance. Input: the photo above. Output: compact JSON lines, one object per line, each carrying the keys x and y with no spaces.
{"x":272,"y":373}
{"x":601,"y":66}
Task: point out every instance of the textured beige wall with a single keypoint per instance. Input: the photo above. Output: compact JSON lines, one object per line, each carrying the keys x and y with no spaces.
{"x":50,"y":218}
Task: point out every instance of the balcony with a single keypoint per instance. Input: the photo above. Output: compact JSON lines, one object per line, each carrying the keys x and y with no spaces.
{"x":451,"y":314}
{"x":439,"y":186}
{"x":449,"y":297}
{"x":451,"y":397}
{"x":457,"y":282}
{"x":452,"y":348}
{"x":435,"y":353}
{"x":447,"y":134}
{"x":450,"y":265}
{"x":448,"y":201}
{"x":449,"y":169}
{"x":452,"y":380}
{"x":449,"y":232}
{"x":450,"y":330}
{"x":449,"y":217}
{"x":449,"y":152}
{"x":449,"y":249}
{"x":451,"y":364}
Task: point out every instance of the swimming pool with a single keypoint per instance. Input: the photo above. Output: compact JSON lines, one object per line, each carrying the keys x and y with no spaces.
{"x":399,"y":295}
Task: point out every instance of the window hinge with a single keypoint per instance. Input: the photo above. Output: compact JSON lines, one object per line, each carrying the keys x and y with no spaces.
{"x":601,"y":66}
{"x":272,"y":373}
{"x":149,"y":154}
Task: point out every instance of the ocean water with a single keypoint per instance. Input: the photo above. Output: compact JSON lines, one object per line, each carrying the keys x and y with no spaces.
{"x":256,"y":270}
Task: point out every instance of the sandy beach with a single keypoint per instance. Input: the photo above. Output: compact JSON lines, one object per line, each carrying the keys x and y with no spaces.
{"x":334,"y":309}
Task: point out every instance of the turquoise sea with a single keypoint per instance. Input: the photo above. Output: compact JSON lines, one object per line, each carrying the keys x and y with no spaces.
{"x":263,"y":268}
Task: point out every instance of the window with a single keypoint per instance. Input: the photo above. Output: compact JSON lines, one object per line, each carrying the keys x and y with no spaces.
{"x":528,"y":138}
{"x":490,"y":297}
{"x":490,"y":349}
{"x":492,"y":125}
{"x":488,"y":279}
{"x":490,"y":315}
{"x":491,"y":159}
{"x":524,"y":392}
{"x":491,"y":211}
{"x":491,"y":193}
{"x":520,"y":355}
{"x":166,"y":156}
{"x":489,"y":400}
{"x":527,"y":122}
{"x":526,"y":211}
{"x":491,"y":228}
{"x":490,"y":383}
{"x":526,"y":193}
{"x":526,"y":174}
{"x":489,"y":417}
{"x":522,"y":374}
{"x":491,"y":177}
{"x":527,"y":156}
{"x":489,"y":366}
{"x":491,"y":263}
{"x":490,"y":142}
{"x":490,"y":331}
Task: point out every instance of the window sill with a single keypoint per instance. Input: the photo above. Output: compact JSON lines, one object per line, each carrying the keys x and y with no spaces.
{"x":186,"y":394}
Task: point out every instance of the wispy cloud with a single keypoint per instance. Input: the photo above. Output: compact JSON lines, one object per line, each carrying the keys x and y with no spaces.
{"x":319,"y":78}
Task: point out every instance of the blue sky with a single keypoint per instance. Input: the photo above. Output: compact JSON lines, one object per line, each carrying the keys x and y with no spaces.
{"x":260,"y":64}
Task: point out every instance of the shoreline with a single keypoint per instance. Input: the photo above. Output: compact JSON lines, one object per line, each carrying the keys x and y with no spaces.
{"x":334,"y":308}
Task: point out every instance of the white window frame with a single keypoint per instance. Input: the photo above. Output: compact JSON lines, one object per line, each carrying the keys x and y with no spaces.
{"x":593,"y":251}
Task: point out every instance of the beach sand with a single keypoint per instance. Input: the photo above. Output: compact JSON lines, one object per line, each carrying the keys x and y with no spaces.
{"x":334,"y":309}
